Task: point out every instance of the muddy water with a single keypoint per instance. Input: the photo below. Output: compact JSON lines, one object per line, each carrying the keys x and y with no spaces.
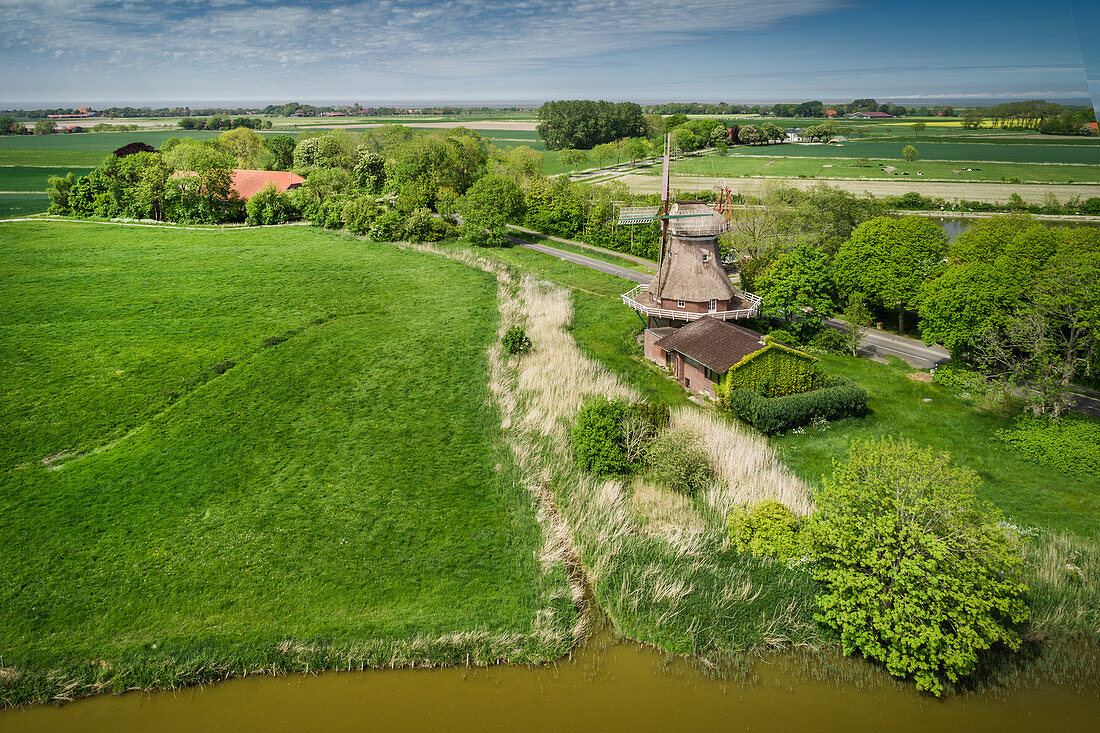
{"x":606,"y":686}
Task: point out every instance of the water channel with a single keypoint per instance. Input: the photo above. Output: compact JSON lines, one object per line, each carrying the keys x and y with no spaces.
{"x":606,"y":686}
{"x":953,"y":226}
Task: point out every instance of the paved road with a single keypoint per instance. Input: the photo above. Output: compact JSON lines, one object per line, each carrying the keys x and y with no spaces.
{"x":605,"y":267}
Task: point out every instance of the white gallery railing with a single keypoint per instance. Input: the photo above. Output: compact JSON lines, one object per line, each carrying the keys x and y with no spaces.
{"x":631,"y":299}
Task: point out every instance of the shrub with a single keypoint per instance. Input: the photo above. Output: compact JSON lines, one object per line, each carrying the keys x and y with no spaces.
{"x":766,"y":529}
{"x":830,"y":340}
{"x":783,"y":336}
{"x":516,"y":341}
{"x":655,"y":414}
{"x":957,"y":378}
{"x":1071,"y":444}
{"x":269,"y":206}
{"x":597,"y":437}
{"x":917,"y":574}
{"x":359,"y":214}
{"x":838,"y":398}
{"x":387,"y":227}
{"x":676,"y":461}
{"x":775,"y":371}
{"x":418,"y":226}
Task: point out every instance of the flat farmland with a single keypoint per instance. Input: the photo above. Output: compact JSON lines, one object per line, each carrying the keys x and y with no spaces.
{"x":31,"y":178}
{"x":86,"y":149}
{"x":961,"y":151}
{"x":22,"y":204}
{"x":735,"y":165}
{"x":215,"y":442}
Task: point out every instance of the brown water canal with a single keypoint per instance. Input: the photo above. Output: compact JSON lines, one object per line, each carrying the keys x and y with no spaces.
{"x":605,"y":686}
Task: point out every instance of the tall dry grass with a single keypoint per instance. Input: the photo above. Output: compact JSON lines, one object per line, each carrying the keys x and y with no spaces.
{"x":748,"y":468}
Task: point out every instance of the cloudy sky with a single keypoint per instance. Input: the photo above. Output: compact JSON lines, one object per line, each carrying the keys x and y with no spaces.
{"x":527,"y":51}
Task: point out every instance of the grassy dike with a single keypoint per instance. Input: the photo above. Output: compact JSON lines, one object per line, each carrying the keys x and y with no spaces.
{"x":244,"y":451}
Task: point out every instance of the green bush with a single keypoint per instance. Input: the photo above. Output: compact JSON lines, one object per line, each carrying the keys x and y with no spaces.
{"x":917,"y":574}
{"x":269,"y":206}
{"x":654,"y":414}
{"x":957,"y":378}
{"x":830,"y":340}
{"x":675,"y":460}
{"x":359,"y":214}
{"x":388,"y":227}
{"x":774,"y":371}
{"x":766,"y":529}
{"x":597,"y":437}
{"x":418,"y":225}
{"x":1071,"y":445}
{"x":516,"y":341}
{"x":783,"y":336}
{"x":838,"y":398}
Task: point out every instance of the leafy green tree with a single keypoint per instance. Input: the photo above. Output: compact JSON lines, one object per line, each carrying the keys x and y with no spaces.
{"x":359,"y":214}
{"x":889,"y":259}
{"x":581,"y":124}
{"x":685,"y":139}
{"x":198,"y":155}
{"x":244,"y":144}
{"x":572,"y":159}
{"x":857,"y":318}
{"x":418,"y":226}
{"x":750,"y":134}
{"x":370,"y":171}
{"x":637,"y":148}
{"x":918,"y":127}
{"x":58,"y":188}
{"x":909,"y":153}
{"x":602,"y":152}
{"x":770,"y":132}
{"x":918,"y":574}
{"x":45,"y":127}
{"x":797,"y":288}
{"x":281,"y":148}
{"x":972,"y":120}
{"x":991,"y":266}
{"x":488,"y":206}
{"x":10,"y":126}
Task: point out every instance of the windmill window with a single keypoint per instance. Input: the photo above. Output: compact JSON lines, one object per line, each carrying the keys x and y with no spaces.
{"x":679,"y":304}
{"x":712,"y":306}
{"x":706,"y":257}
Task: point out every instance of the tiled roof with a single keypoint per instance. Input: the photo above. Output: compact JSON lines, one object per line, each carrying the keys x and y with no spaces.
{"x":247,"y":183}
{"x":713,"y":343}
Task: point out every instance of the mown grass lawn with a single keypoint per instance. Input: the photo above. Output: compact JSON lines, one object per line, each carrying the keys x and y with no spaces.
{"x":344,"y":485}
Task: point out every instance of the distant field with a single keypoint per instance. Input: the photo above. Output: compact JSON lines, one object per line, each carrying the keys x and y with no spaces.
{"x":734,"y":165}
{"x":85,"y":149}
{"x":341,"y":485}
{"x":23,"y":178}
{"x":22,"y":204}
{"x":961,"y":151}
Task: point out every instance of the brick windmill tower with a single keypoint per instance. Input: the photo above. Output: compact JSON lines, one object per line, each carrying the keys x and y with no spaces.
{"x":691,"y":281}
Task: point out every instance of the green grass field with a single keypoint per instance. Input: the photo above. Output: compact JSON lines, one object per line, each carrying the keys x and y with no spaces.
{"x":736,"y":165}
{"x":24,"y":178}
{"x":345,"y":488}
{"x":85,"y":149}
{"x":961,"y":151}
{"x":22,"y":204}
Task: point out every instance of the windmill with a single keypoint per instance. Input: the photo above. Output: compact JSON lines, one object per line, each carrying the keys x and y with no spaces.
{"x":691,"y":281}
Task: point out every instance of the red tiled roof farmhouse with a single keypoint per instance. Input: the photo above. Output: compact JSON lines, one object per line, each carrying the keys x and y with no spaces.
{"x":247,"y":183}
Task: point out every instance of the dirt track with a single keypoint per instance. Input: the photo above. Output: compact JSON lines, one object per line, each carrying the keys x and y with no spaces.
{"x":971,"y":191}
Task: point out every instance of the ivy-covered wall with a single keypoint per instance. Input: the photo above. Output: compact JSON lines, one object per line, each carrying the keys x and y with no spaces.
{"x":774,"y":371}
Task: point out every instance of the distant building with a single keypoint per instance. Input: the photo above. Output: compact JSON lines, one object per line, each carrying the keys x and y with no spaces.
{"x":74,"y":128}
{"x":794,"y":134}
{"x":867,"y":115}
{"x":247,"y":183}
{"x":81,"y":112}
{"x":830,"y":113}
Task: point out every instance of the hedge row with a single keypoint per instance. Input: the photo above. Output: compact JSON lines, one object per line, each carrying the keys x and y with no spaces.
{"x":771,"y":415}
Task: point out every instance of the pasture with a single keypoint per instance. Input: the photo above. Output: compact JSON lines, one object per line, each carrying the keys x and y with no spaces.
{"x":218,"y":442}
{"x":22,"y":204}
{"x":960,"y":151}
{"x":32,"y":178}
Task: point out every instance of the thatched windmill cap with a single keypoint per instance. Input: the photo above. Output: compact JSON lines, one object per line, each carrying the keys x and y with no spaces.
{"x":710,"y":225}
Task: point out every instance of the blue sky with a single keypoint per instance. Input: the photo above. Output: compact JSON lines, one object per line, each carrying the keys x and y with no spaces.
{"x":527,"y":51}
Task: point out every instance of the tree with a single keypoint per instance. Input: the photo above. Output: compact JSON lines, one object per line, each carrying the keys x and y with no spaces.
{"x":243,"y":144}
{"x":370,"y":171}
{"x":268,"y":206}
{"x":281,"y":148}
{"x":581,"y":124}
{"x":909,"y":153}
{"x":889,"y":259}
{"x":856,"y":318}
{"x":918,"y":573}
{"x":796,"y":287}
{"x":684,"y":139}
{"x":9,"y":126}
{"x":918,"y":127}
{"x":490,"y":203}
{"x":637,"y":148}
{"x":44,"y":127}
{"x":572,"y":159}
{"x":972,"y":120}
{"x":602,"y":152}
{"x":1053,"y":336}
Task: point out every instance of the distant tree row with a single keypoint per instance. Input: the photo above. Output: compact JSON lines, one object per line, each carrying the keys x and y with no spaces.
{"x":218,"y":122}
{"x":579,"y":123}
{"x":802,"y":109}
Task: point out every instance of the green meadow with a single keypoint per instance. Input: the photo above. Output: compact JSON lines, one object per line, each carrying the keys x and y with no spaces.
{"x":22,"y":204}
{"x":32,"y":178}
{"x":239,"y":449}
